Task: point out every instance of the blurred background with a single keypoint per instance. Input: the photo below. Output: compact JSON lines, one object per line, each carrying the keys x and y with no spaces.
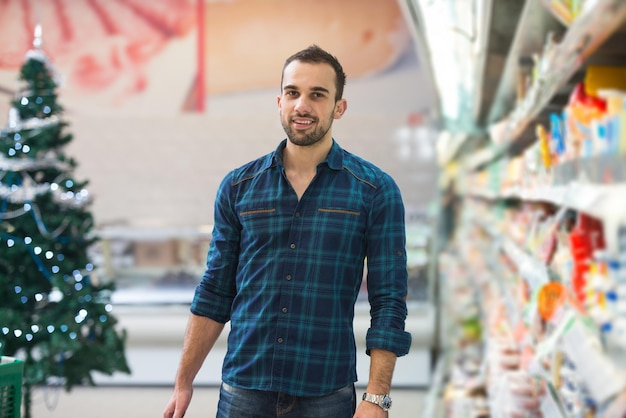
{"x":502,"y":121}
{"x":162,"y":99}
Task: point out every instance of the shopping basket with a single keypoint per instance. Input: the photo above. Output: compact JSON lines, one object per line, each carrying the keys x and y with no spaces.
{"x":11,"y":371}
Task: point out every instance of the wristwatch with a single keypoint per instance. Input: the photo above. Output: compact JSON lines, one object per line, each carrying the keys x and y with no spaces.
{"x":384,"y":401}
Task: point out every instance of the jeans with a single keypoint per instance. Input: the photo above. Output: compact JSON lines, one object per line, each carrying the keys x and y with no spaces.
{"x":245,"y":403}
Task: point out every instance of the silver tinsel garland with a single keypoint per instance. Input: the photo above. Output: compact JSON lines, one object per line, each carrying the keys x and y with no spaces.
{"x":26,"y":164}
{"x":15,"y":124}
{"x":26,"y":194}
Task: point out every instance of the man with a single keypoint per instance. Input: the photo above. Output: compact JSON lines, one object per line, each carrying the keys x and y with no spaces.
{"x":291,"y":233}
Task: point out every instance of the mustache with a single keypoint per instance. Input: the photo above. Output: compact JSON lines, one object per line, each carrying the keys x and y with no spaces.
{"x":303,"y":115}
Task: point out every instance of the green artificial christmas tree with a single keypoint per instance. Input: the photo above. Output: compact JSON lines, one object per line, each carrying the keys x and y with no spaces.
{"x":54,"y":314}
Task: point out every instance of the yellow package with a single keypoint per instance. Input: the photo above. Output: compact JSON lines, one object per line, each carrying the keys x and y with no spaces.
{"x":603,"y":77}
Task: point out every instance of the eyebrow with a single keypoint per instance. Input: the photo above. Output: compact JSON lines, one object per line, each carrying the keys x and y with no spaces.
{"x":292,"y":87}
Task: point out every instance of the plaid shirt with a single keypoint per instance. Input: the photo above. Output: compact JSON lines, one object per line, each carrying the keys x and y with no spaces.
{"x":287,"y":273}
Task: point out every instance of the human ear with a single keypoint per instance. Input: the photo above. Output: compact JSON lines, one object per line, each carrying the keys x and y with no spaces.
{"x":340,"y":107}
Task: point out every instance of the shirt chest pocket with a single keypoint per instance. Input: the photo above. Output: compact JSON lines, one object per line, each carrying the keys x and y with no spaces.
{"x":339,"y":212}
{"x":257,"y":213}
{"x":340,"y":221}
{"x":259,"y":222}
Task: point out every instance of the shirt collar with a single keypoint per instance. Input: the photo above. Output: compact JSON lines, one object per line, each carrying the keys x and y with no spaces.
{"x":334,"y":159}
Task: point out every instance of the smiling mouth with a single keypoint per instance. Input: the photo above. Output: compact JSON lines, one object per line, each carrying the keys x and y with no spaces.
{"x":304,"y":123}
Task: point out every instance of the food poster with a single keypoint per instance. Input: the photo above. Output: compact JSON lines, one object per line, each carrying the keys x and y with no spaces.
{"x":174,"y":55}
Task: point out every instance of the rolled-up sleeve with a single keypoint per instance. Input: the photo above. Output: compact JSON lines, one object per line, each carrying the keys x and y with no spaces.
{"x":387,"y":271}
{"x":214,"y":295}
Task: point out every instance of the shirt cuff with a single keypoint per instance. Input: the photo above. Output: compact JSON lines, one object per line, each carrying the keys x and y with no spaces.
{"x":211,"y":305}
{"x":394,"y":340}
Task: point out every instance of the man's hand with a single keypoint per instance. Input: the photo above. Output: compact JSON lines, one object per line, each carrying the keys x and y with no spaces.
{"x":370,"y":410}
{"x":178,"y":403}
{"x":200,"y":336}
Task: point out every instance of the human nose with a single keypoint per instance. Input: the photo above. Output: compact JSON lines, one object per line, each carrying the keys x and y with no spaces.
{"x":302,"y":106}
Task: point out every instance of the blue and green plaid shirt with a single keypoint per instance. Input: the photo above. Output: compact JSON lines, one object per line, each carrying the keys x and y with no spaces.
{"x":287,"y":273}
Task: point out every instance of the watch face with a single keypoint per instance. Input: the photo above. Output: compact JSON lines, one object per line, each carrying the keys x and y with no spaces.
{"x":386,"y":403}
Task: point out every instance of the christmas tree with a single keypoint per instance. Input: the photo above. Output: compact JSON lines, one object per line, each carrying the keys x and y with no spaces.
{"x":54,"y":314}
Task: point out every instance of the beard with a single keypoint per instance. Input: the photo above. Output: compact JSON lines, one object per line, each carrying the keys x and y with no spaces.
{"x":310,"y":138}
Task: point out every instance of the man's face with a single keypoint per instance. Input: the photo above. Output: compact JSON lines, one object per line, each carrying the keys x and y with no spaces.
{"x":307,"y":104}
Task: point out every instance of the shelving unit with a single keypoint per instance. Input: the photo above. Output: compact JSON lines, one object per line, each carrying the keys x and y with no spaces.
{"x":580,"y":41}
{"x":537,"y":261}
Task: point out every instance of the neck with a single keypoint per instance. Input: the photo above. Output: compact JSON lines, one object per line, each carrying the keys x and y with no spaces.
{"x":306,"y":158}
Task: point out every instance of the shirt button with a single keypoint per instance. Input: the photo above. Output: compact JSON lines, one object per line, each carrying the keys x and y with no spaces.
{"x":288,"y":277}
{"x":280,"y":341}
{"x":297,"y":214}
{"x":284,"y":310}
{"x":292,"y":246}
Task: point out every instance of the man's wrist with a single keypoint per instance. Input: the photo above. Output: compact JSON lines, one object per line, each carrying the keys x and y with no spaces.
{"x":377,"y":389}
{"x":382,"y":400}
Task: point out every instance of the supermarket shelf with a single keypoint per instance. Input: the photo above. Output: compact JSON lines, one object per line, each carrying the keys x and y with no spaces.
{"x":534,"y":271}
{"x":585,"y":35}
{"x":531,"y":269}
{"x":496,"y":220}
{"x":582,"y":39}
{"x":481,"y":157}
{"x":535,"y":22}
{"x":603,"y":201}
{"x":581,"y":344}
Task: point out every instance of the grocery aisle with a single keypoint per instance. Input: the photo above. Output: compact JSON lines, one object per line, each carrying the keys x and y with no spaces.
{"x":532,"y":272}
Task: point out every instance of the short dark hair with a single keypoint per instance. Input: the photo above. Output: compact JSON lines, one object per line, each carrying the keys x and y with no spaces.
{"x":316,"y":55}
